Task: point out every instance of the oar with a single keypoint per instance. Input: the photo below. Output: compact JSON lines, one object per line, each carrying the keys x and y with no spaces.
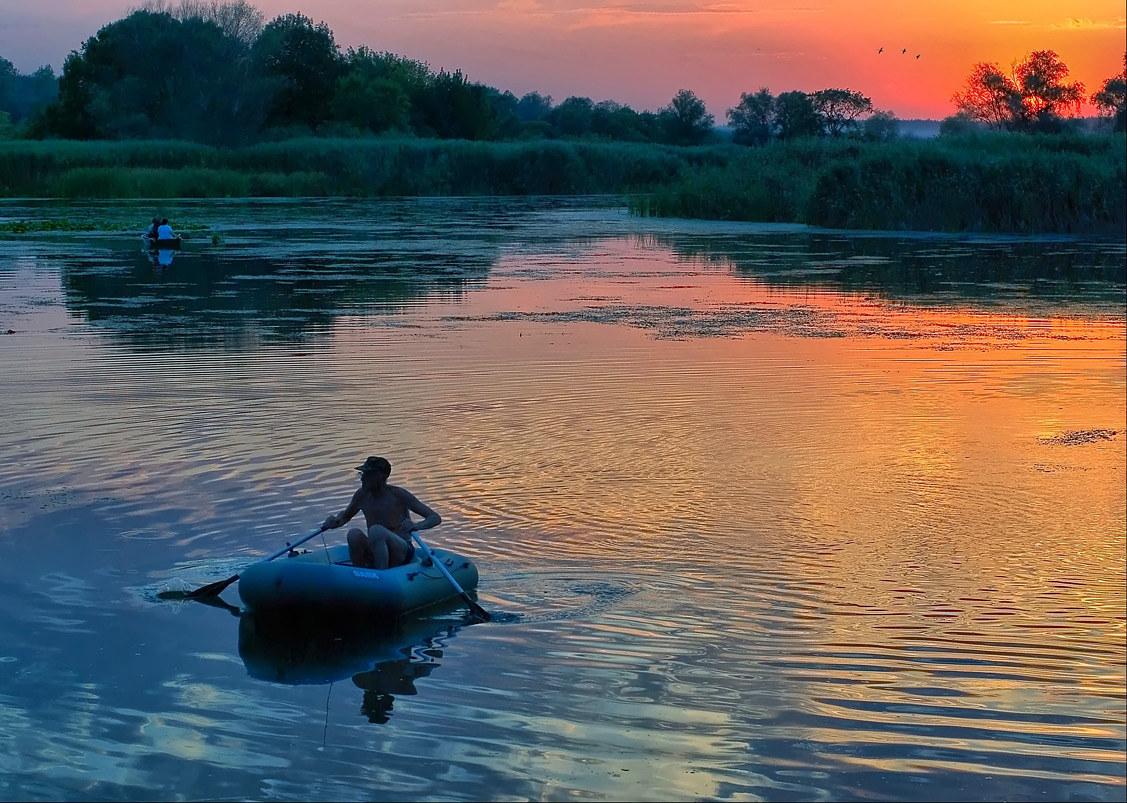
{"x":214,"y":589}
{"x":475,"y":609}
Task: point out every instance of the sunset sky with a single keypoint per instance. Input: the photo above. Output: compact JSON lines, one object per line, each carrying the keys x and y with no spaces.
{"x":641,"y":52}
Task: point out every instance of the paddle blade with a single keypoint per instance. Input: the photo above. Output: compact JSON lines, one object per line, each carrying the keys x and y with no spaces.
{"x":478,"y":611}
{"x":211,"y":589}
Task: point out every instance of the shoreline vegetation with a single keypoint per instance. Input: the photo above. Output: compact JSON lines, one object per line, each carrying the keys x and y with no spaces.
{"x":977,"y":182}
{"x":208,"y":99}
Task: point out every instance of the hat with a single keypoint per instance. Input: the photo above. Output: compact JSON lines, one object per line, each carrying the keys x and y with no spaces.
{"x":379,"y":464}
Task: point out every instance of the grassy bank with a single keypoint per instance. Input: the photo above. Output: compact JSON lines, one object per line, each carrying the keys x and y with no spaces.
{"x":990,"y":183}
{"x":347,"y":167}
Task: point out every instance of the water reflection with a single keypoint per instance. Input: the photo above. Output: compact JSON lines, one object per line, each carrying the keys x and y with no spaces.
{"x":210,"y":298}
{"x":161,"y":257}
{"x":382,"y":661}
{"x":876,"y":565}
{"x":985,"y":271}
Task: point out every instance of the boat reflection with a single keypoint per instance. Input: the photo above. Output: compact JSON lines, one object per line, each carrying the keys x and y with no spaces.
{"x":161,"y":257}
{"x":384,"y":662}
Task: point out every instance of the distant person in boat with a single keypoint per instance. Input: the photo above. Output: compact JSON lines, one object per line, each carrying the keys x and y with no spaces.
{"x":152,"y":232}
{"x":164,"y":231}
{"x":387,"y":513}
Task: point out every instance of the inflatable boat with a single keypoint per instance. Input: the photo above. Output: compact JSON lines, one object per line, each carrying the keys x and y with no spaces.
{"x":155,"y":244}
{"x":324,"y":580}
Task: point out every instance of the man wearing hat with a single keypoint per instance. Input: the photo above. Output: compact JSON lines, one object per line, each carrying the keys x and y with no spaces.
{"x":387,"y":513}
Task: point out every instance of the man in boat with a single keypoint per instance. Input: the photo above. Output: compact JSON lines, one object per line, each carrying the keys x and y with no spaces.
{"x":164,"y":231}
{"x":387,"y":513}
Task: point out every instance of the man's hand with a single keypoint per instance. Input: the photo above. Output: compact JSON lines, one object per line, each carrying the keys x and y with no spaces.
{"x":331,"y":523}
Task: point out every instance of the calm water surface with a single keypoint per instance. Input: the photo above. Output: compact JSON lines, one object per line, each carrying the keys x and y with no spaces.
{"x":763,"y":513}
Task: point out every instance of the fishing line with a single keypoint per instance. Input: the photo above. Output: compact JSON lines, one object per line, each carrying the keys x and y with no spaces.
{"x":325,"y":734}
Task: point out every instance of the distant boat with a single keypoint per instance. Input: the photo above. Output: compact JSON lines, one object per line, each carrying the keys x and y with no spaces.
{"x":154,"y":244}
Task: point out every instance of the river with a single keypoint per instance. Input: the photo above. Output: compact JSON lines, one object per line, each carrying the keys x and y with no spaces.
{"x":761,"y":512}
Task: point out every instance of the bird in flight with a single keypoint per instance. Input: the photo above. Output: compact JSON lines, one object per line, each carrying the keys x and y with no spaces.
{"x":917,"y":57}
{"x":905,"y":50}
{"x":881,"y":50}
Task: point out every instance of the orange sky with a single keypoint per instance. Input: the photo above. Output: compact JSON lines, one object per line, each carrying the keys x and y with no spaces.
{"x":640,"y":52}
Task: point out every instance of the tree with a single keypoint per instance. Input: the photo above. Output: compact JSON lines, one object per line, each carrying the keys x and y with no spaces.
{"x":503,"y":107}
{"x":1034,"y":96}
{"x":151,"y":75}
{"x":1044,"y":95}
{"x":534,"y":106}
{"x":371,"y":104}
{"x":795,"y":117}
{"x":753,"y":118}
{"x":840,"y":109}
{"x":302,"y":59}
{"x":616,"y":121}
{"x":238,"y":18}
{"x":687,"y":119}
{"x":21,"y":96}
{"x":882,"y":126}
{"x":451,"y":107}
{"x":1111,"y":98}
{"x":988,"y":96}
{"x":959,"y":125}
{"x":572,"y":118}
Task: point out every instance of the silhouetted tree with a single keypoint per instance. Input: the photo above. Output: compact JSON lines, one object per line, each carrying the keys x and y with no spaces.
{"x":753,"y":118}
{"x":616,"y":121}
{"x":840,"y":109}
{"x":1110,"y":99}
{"x":1035,"y":96}
{"x":988,"y":96}
{"x":882,"y":126}
{"x":302,"y":58}
{"x":151,"y":75}
{"x":795,"y":117}
{"x":371,"y":104}
{"x":572,"y":118}
{"x":534,"y":106}
{"x":504,"y":112}
{"x":687,"y":119}
{"x":1044,"y":95}
{"x":959,"y":124}
{"x":21,"y":95}
{"x":236,"y":18}
{"x":450,"y":107}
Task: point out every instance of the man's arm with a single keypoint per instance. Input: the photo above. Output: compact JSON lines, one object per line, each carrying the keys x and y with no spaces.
{"x":342,"y":518}
{"x":430,"y":518}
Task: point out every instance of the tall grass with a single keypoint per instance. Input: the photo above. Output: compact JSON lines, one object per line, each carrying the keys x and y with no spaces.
{"x":312,"y":166}
{"x":984,"y":182}
{"x":997,"y":183}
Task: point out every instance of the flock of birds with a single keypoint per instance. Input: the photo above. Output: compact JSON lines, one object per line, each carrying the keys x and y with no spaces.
{"x":903,"y":52}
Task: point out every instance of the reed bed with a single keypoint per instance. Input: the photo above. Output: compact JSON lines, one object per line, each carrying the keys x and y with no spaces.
{"x":985,"y":182}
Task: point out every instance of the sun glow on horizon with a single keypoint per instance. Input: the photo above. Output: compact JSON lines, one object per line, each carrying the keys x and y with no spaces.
{"x":641,"y":54}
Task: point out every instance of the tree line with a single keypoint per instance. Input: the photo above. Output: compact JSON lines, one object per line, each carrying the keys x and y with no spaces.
{"x":1035,"y":95}
{"x":219,"y":73}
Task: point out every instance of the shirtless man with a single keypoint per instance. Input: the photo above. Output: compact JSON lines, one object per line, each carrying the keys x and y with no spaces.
{"x":387,"y":513}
